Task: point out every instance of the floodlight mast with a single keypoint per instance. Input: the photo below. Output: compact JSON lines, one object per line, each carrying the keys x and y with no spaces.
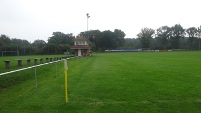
{"x":87,"y":20}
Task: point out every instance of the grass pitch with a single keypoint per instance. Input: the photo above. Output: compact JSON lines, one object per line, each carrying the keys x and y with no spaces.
{"x":113,"y":82}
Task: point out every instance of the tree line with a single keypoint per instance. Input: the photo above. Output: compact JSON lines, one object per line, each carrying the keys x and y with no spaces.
{"x":58,"y":43}
{"x":165,"y":37}
{"x":100,"y":41}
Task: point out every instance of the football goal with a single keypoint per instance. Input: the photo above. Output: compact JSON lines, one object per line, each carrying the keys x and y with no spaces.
{"x":10,"y":53}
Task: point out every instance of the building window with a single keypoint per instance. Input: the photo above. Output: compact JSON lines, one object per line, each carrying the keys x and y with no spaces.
{"x":80,"y":43}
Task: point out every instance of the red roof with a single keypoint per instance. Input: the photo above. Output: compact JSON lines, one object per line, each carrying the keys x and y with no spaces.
{"x":80,"y":38}
{"x":80,"y":47}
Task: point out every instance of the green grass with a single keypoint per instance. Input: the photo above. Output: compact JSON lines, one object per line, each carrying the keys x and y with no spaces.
{"x":136,"y":82}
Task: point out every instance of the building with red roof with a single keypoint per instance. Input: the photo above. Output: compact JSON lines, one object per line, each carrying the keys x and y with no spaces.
{"x":81,"y":46}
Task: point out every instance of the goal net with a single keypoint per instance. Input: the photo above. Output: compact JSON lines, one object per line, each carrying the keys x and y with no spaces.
{"x":10,"y":53}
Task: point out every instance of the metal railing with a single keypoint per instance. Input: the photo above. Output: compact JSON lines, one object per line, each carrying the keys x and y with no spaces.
{"x":35,"y":70}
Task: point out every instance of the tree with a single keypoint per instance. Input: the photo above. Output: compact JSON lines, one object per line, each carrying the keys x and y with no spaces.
{"x":39,"y":46}
{"x":104,"y":40}
{"x":50,"y":48}
{"x":14,"y":44}
{"x":132,"y":43}
{"x":199,"y":35}
{"x":145,"y":37}
{"x":4,"y":43}
{"x":119,"y":36}
{"x":20,"y":45}
{"x":163,"y":34}
{"x":94,"y":37}
{"x":64,"y":47}
{"x":4,"y":40}
{"x":107,"y":41}
{"x":59,"y":41}
{"x":61,"y":38}
{"x":177,"y":32}
{"x":192,"y":33}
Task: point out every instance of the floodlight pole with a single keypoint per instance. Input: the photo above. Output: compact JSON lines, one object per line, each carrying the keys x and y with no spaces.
{"x":87,"y":21}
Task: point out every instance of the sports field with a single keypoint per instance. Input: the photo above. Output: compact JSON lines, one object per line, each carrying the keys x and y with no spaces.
{"x":135,"y":82}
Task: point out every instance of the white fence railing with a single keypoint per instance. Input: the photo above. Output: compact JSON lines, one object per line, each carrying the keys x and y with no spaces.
{"x":36,"y":84}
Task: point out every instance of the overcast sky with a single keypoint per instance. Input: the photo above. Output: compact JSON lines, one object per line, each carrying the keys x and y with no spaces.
{"x":38,"y":19}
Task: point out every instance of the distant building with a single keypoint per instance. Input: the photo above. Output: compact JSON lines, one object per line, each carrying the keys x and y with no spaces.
{"x":81,"y":46}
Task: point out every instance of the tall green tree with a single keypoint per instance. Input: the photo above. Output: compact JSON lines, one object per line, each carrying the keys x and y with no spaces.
{"x":14,"y":44}
{"x":145,"y":37}
{"x":177,"y":32}
{"x":94,"y":37}
{"x":163,"y":35}
{"x":119,"y":36}
{"x":50,"y":48}
{"x":192,"y":33}
{"x":132,"y":43}
{"x":61,"y":38}
{"x":38,"y":46}
{"x":23,"y":46}
{"x":4,"y":40}
{"x":105,"y":40}
{"x":59,"y":41}
{"x":199,"y":37}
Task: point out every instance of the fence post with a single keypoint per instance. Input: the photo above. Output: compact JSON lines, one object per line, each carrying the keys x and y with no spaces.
{"x":28,"y":62}
{"x":66,"y":79}
{"x":7,"y":64}
{"x":41,"y":60}
{"x":35,"y":61}
{"x":47,"y":60}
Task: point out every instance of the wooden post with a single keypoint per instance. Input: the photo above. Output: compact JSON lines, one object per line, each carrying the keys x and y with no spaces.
{"x":41,"y":60}
{"x":19,"y":61}
{"x":35,"y":61}
{"x":47,"y":60}
{"x":7,"y":64}
{"x":28,"y":62}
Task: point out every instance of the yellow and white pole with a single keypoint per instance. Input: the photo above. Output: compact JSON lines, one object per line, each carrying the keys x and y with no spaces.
{"x":66,"y":79}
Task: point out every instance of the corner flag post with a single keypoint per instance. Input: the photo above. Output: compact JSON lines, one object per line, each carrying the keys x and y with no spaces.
{"x":66,"y":79}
